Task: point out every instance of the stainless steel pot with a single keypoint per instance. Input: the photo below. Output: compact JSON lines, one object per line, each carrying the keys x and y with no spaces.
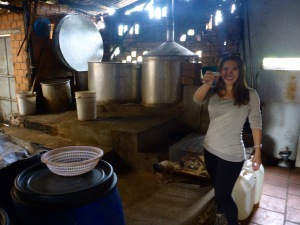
{"x":161,"y":80}
{"x":161,"y":75}
{"x":115,"y":82}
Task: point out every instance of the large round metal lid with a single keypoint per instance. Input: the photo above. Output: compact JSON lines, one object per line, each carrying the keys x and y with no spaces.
{"x":55,"y":82}
{"x":77,"y":41}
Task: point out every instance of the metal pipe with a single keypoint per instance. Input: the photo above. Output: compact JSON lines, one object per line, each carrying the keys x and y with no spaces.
{"x":27,"y":14}
{"x":170,"y":20}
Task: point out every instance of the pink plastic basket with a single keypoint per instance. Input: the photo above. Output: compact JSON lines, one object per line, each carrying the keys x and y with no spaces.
{"x":72,"y":160}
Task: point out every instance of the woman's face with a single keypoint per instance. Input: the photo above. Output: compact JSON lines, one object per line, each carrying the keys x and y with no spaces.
{"x":230,"y":72}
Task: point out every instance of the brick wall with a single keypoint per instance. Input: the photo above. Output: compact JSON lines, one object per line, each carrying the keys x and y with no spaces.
{"x":12,"y":23}
{"x":25,"y":62}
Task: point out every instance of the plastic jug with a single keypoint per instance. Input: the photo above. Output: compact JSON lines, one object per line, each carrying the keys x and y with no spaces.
{"x":259,"y":176}
{"x":243,"y":193}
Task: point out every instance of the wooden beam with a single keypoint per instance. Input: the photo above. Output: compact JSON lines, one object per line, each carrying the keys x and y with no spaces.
{"x":12,"y":8}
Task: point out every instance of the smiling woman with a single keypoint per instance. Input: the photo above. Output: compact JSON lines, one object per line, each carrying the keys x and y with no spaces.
{"x":230,"y":103}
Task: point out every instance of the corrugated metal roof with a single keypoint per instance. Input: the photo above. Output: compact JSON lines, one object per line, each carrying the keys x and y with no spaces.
{"x":90,"y":6}
{"x":96,"y":6}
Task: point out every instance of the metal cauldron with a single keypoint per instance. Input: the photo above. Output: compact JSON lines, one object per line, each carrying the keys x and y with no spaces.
{"x":161,"y":74}
{"x":161,"y":80}
{"x":115,"y":82}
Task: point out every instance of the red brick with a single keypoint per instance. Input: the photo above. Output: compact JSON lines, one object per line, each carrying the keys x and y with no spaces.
{"x":17,"y":66}
{"x":4,"y":18}
{"x":191,"y":66}
{"x":54,"y":8}
{"x":23,"y":65}
{"x":18,"y":78}
{"x":15,"y":44}
{"x":17,"y":17}
{"x":20,"y":23}
{"x":25,"y":80}
{"x":41,"y":11}
{"x":44,"y":5}
{"x":13,"y":24}
{"x":190,"y":81}
{"x":10,"y":17}
{"x":18,"y":37}
{"x":24,"y":87}
{"x":50,"y":13}
{"x":191,"y":74}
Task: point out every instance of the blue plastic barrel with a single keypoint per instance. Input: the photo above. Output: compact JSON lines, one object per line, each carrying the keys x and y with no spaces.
{"x":42,"y":197}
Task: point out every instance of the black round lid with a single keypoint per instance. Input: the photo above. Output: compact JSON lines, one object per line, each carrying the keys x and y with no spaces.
{"x":44,"y":182}
{"x":37,"y":185}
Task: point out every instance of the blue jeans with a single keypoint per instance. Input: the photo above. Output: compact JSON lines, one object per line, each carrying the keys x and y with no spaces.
{"x":223,"y":175}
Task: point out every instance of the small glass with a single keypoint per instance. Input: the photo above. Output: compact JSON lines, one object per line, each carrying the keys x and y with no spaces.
{"x":216,"y":75}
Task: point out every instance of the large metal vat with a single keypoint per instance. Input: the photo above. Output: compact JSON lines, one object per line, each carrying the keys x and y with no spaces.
{"x":161,"y":70}
{"x":115,"y":82}
{"x":161,"y":80}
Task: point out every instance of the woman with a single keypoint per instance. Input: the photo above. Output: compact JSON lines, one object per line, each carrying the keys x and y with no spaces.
{"x":231,"y":102}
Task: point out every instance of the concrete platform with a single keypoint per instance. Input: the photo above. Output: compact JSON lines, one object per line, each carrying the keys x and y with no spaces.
{"x":129,"y":130}
{"x":132,"y":140}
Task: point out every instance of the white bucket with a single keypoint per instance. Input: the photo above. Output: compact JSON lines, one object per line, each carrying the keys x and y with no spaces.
{"x":26,"y":102}
{"x":243,"y":194}
{"x":86,"y":105}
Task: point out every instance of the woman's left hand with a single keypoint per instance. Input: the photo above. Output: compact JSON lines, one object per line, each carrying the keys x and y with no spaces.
{"x":256,"y":162}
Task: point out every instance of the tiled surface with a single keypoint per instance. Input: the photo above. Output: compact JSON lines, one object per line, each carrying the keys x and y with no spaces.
{"x":280,"y":200}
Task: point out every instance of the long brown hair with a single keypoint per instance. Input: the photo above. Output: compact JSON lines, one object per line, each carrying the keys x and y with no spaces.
{"x":240,"y":88}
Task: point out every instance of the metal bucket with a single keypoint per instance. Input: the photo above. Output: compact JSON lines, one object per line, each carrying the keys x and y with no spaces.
{"x":161,"y":80}
{"x":57,"y":95}
{"x":115,"y":82}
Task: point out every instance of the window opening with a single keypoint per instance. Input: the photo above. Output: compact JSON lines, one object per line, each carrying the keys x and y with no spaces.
{"x":281,"y":64}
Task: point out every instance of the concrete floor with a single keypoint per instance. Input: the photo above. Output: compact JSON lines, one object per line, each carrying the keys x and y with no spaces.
{"x":132,"y":142}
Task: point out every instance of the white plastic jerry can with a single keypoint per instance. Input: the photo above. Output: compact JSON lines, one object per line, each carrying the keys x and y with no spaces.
{"x":243,"y":193}
{"x":259,"y":176}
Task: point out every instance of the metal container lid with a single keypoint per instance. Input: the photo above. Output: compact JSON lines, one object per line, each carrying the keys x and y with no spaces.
{"x":77,"y":41}
{"x":171,"y":48}
{"x":38,"y":187}
{"x":55,"y":81}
